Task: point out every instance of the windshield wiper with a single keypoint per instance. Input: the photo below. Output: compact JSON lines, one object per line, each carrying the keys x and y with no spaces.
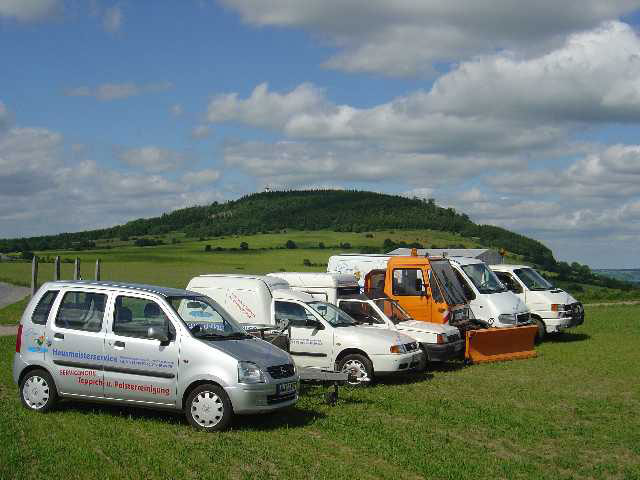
{"x":210,"y":335}
{"x":238,"y":335}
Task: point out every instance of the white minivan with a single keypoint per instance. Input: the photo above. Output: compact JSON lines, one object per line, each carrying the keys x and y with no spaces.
{"x":319,"y":334}
{"x":489,"y":300}
{"x":141,"y":345}
{"x":553,"y":309}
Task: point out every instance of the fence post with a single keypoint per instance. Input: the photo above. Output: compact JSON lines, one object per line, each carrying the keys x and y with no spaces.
{"x":76,"y":269}
{"x":98,"y":270}
{"x":56,"y":268}
{"x":34,"y":275}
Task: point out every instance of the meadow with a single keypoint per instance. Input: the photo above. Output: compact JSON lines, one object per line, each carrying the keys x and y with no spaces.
{"x":572,"y":412}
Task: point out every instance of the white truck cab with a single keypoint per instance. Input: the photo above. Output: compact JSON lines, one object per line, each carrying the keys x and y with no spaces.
{"x":319,"y":334}
{"x":489,"y":300}
{"x":552,"y":308}
{"x":439,"y":342}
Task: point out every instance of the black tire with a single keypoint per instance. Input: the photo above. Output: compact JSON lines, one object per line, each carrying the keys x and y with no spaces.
{"x":215,"y":413}
{"x":542,"y":331}
{"x":358,"y":365}
{"x":38,"y":391}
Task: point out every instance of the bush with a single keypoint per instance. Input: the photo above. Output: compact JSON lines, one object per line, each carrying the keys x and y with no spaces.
{"x":369,"y":235}
{"x":244,"y":246}
{"x":574,"y":287}
{"x":290,"y":244}
{"x":26,"y":255}
{"x":321,"y":245}
{"x":345,"y":245}
{"x":306,"y":262}
{"x":207,"y":248}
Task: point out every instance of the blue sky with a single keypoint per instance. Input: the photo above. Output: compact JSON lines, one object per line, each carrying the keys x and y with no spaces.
{"x":520,"y":115}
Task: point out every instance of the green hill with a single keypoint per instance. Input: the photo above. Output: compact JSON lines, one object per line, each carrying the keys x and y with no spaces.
{"x":337,"y":210}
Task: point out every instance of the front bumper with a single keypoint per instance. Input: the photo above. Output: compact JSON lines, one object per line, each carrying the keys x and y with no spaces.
{"x":261,"y":397}
{"x":445,"y":351}
{"x":557,"y":324}
{"x":397,"y":363}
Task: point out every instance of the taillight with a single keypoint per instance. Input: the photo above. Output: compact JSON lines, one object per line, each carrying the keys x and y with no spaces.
{"x":19,"y":339}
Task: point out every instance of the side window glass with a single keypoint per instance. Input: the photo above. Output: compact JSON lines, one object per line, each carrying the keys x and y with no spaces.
{"x":81,"y":311}
{"x":407,"y":281}
{"x":435,"y":288}
{"x":468,"y":291}
{"x":41,"y":312}
{"x":509,"y":282}
{"x":286,"y":311}
{"x":133,"y":316}
{"x":361,"y":312}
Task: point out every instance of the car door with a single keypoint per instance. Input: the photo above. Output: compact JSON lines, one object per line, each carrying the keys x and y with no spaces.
{"x":310,"y":346}
{"x":75,"y":339}
{"x":408,"y":288}
{"x":145,"y":369}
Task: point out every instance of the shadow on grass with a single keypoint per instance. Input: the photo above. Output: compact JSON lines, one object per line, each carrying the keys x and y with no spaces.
{"x":446,"y":366}
{"x":566,"y":338}
{"x":405,"y":379}
{"x":290,"y":416}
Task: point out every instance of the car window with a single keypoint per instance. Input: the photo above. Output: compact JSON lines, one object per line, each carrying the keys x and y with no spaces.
{"x":435,"y":288}
{"x":509,"y":282}
{"x":406,"y":281}
{"x":466,"y":288}
{"x":361,"y":312}
{"x":41,"y":312}
{"x":81,"y":311}
{"x":133,"y":316}
{"x":288,"y":311}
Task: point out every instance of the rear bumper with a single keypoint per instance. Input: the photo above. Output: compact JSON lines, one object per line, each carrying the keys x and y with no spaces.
{"x":443,"y":352}
{"x":395,"y":363}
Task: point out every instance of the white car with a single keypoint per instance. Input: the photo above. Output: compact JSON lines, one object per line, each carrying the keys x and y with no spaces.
{"x":319,"y":334}
{"x":553,"y":309}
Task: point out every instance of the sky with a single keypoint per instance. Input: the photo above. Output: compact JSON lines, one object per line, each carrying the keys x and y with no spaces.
{"x":520,"y":114}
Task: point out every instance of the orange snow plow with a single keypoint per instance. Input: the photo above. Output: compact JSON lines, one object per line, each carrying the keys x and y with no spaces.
{"x":430,"y":291}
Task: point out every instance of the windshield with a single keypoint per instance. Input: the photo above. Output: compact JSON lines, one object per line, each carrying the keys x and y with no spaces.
{"x":205,"y":318}
{"x":333,"y":315}
{"x":484,"y":279}
{"x":532,"y":279}
{"x":393,"y":310}
{"x":451,"y":288}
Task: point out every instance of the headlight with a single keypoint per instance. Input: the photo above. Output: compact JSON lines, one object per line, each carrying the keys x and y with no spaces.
{"x":398,"y":349}
{"x":249,"y":372}
{"x":507,"y":318}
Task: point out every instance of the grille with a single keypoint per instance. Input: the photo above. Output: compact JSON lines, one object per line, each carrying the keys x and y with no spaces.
{"x":281,"y":371}
{"x":523,"y":318}
{"x":410,"y":347}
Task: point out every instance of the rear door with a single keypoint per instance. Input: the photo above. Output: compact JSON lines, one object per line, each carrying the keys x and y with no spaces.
{"x":144,"y":370}
{"x":76,"y":335}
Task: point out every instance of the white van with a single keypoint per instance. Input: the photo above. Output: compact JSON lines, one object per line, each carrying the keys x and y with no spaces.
{"x":320,"y":334}
{"x":552,"y":308}
{"x":489,"y":299}
{"x":439,"y":342}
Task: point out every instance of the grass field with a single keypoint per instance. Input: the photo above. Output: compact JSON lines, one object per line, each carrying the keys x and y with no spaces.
{"x":572,"y":412}
{"x":175,"y":264}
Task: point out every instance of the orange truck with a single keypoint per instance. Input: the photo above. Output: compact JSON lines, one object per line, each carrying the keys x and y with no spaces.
{"x":429,"y":290}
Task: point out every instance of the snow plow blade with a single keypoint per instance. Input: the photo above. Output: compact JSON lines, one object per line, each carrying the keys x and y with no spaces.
{"x":500,"y":344}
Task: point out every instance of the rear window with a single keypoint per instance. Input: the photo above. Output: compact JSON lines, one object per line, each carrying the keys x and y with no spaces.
{"x":41,"y":312}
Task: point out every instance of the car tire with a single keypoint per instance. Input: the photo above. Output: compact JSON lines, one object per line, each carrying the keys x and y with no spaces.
{"x":208,"y":408}
{"x":359,"y":366}
{"x":542,"y":331}
{"x":38,"y":391}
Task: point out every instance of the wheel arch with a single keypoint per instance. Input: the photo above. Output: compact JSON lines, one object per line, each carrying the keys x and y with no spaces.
{"x":350,"y":351}
{"x":194,"y":385}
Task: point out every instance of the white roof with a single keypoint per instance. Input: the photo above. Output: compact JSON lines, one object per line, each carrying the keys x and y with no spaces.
{"x":316,"y":279}
{"x":506,"y":266}
{"x":285,"y":294}
{"x":272,"y":282}
{"x":438,"y":252}
{"x":464,"y":260}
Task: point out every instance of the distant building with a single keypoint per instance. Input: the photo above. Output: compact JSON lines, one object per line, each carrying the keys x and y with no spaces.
{"x":487,"y":255}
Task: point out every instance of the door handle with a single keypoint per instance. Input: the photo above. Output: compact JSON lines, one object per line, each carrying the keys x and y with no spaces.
{"x":59,"y":336}
{"x":118,"y":344}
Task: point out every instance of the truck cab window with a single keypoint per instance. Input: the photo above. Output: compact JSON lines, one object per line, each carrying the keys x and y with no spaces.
{"x":406,"y":281}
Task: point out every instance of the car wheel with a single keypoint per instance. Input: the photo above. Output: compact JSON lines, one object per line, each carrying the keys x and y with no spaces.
{"x":37,"y":391}
{"x":541,"y":330}
{"x":358,"y":367}
{"x":208,"y":408}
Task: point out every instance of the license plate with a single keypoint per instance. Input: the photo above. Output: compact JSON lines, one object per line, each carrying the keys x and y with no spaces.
{"x":285,"y":388}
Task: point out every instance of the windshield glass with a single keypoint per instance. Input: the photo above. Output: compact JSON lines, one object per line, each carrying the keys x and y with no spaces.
{"x":205,"y":318}
{"x":332,"y":314}
{"x":483,"y":278}
{"x":450,"y":286}
{"x":393,"y":310}
{"x":532,"y":279}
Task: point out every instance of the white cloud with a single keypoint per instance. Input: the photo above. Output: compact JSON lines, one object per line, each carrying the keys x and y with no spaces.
{"x":176,"y":110}
{"x":406,"y":37}
{"x":200,"y":132}
{"x":28,"y":10}
{"x":202,"y":177}
{"x":152,"y":159}
{"x":116,"y":91}
{"x":112,"y":21}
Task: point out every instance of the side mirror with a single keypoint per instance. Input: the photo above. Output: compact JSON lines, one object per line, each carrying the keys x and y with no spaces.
{"x":157,"y":333}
